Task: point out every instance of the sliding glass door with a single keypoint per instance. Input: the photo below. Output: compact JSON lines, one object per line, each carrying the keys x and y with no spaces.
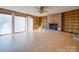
{"x":16,"y":24}
{"x":5,"y":24}
{"x":19,"y":24}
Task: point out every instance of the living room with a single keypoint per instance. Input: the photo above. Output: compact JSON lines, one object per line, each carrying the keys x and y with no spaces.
{"x":39,"y":28}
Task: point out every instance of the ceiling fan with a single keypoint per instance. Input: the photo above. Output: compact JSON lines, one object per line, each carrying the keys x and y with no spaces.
{"x":42,"y":9}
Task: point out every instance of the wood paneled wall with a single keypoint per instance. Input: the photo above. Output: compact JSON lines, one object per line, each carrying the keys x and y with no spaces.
{"x":71,"y":21}
{"x":36,"y":22}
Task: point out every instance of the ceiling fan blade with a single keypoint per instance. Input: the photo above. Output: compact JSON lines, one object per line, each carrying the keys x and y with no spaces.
{"x":42,"y":9}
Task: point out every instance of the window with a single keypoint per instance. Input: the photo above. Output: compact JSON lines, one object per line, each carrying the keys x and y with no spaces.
{"x":19,"y":24}
{"x":30,"y":23}
{"x":5,"y":24}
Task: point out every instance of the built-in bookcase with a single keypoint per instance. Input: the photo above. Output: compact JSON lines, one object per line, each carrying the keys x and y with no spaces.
{"x":71,"y":21}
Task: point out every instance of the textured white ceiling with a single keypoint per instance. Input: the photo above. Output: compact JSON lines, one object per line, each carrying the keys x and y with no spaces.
{"x":32,"y":9}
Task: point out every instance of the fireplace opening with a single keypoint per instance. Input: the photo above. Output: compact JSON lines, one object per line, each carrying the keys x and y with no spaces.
{"x":53,"y":26}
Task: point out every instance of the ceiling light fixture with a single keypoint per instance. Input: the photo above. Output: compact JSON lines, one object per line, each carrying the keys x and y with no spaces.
{"x":42,"y":9}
